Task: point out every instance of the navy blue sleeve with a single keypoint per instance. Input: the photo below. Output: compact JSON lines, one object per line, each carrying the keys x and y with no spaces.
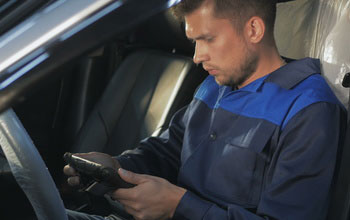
{"x":298,"y":179}
{"x":158,"y":156}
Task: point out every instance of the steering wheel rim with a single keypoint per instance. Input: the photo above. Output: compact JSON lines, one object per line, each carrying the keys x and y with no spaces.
{"x":29,"y":169}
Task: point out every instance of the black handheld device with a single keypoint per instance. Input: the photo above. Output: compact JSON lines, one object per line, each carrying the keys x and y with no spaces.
{"x":106,"y":178}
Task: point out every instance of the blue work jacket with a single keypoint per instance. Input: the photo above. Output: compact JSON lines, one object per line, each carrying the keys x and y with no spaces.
{"x":265,"y":151}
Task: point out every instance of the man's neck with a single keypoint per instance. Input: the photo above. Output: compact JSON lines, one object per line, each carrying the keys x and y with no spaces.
{"x":269,"y":61}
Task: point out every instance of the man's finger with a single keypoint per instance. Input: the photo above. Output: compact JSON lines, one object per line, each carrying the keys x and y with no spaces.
{"x":68,"y":170}
{"x":73,"y":181}
{"x":131,"y":177}
{"x":126,"y":203}
{"x":131,"y":211}
{"x":121,"y":194}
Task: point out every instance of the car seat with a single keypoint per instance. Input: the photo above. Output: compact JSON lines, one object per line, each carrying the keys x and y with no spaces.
{"x":321,"y":29}
{"x":156,"y":78}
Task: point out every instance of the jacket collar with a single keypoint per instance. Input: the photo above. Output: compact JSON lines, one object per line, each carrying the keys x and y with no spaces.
{"x":294,"y":72}
{"x":288,"y":76}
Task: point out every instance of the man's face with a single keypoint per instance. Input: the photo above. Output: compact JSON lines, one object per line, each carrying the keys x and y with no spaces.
{"x":224,"y":52}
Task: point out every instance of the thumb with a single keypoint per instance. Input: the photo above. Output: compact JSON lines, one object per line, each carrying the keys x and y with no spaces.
{"x":130,"y":177}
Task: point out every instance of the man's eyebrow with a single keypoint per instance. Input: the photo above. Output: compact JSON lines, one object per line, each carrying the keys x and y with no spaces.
{"x":200,"y":37}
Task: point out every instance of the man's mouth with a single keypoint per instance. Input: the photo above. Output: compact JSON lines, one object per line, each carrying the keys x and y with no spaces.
{"x":211,"y":71}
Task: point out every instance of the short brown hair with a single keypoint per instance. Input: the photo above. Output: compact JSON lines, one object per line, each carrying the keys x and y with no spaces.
{"x":240,"y":11}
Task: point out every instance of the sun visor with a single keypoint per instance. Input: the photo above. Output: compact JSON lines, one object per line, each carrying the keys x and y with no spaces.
{"x":318,"y":29}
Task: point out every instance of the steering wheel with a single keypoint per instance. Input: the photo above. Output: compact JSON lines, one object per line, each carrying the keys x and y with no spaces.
{"x":29,"y":169}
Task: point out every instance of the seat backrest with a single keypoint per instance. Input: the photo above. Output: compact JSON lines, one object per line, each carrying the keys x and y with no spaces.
{"x":148,"y":87}
{"x":321,"y":29}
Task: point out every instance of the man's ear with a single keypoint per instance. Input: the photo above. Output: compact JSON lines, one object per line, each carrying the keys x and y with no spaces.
{"x":255,"y":29}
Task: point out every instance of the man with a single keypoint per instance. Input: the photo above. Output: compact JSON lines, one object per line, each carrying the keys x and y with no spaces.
{"x":258,"y":141}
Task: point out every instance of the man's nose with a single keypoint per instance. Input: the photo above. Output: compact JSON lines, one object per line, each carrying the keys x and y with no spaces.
{"x":200,"y":54}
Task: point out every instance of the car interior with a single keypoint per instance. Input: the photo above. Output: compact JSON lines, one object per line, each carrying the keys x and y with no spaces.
{"x":128,"y":89}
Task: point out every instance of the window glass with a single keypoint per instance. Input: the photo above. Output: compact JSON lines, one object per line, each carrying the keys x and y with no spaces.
{"x":13,"y":12}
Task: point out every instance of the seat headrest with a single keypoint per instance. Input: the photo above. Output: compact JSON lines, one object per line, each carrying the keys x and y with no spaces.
{"x":163,"y":31}
{"x":318,"y":29}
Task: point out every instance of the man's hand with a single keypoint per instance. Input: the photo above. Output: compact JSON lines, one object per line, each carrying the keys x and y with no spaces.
{"x":101,"y":158}
{"x":151,"y":198}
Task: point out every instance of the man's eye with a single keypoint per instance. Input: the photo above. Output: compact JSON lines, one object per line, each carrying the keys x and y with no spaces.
{"x":210,"y":39}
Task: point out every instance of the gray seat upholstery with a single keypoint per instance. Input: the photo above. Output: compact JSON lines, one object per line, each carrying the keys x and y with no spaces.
{"x":148,"y":87}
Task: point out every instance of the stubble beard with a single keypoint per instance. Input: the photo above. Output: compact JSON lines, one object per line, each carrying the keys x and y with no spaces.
{"x":246,"y":70}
